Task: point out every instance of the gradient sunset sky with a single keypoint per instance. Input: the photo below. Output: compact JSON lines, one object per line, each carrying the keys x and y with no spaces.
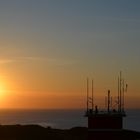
{"x":49,"y":47}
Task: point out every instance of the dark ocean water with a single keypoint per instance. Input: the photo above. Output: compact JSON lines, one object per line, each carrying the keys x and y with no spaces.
{"x":132,"y":120}
{"x":60,"y":118}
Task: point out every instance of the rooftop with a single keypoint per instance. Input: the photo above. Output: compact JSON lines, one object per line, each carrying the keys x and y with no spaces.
{"x":104,"y":113}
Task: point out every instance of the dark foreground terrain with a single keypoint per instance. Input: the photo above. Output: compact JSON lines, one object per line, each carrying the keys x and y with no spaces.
{"x":35,"y":132}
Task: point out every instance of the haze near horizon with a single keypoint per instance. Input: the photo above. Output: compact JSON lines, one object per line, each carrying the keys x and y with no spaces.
{"x":49,"y":47}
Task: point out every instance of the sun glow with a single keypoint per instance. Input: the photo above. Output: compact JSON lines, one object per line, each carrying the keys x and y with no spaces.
{"x":3,"y":91}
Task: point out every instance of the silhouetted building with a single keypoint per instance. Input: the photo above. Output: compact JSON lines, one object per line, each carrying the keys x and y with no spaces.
{"x":106,"y":124}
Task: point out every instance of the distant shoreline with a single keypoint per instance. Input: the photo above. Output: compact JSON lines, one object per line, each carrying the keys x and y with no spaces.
{"x":61,"y":119}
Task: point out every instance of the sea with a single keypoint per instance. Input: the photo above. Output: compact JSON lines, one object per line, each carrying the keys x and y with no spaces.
{"x":59,"y":118}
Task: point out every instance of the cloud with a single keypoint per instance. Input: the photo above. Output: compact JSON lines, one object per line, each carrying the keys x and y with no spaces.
{"x":61,"y":62}
{"x":5,"y":61}
{"x":30,"y":58}
{"x":19,"y":59}
{"x":49,"y":61}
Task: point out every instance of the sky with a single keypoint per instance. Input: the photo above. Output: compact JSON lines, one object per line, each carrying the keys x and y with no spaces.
{"x":49,"y":47}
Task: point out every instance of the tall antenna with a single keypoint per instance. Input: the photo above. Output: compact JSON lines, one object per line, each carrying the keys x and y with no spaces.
{"x":105,"y":101}
{"x":123,"y":95}
{"x":120,"y":91}
{"x":111,"y":102}
{"x":92,"y":95}
{"x":108,"y":104}
{"x":87,"y":95}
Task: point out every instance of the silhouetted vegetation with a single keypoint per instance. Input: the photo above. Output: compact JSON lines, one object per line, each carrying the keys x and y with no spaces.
{"x":35,"y":132}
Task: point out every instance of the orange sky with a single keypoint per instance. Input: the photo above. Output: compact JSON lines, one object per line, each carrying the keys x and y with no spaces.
{"x":20,"y":91}
{"x":49,"y":48}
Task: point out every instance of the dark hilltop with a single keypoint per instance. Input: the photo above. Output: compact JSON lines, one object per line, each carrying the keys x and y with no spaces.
{"x":35,"y":132}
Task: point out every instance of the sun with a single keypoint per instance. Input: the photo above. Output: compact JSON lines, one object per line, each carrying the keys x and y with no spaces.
{"x":2,"y":91}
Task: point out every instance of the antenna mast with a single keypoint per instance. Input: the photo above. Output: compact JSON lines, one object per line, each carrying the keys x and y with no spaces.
{"x":87,"y":95}
{"x":120,"y":91}
{"x":123,"y":96}
{"x":92,"y":95}
{"x":108,"y":104}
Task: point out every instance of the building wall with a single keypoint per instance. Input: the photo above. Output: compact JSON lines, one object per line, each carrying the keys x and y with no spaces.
{"x":99,"y":122}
